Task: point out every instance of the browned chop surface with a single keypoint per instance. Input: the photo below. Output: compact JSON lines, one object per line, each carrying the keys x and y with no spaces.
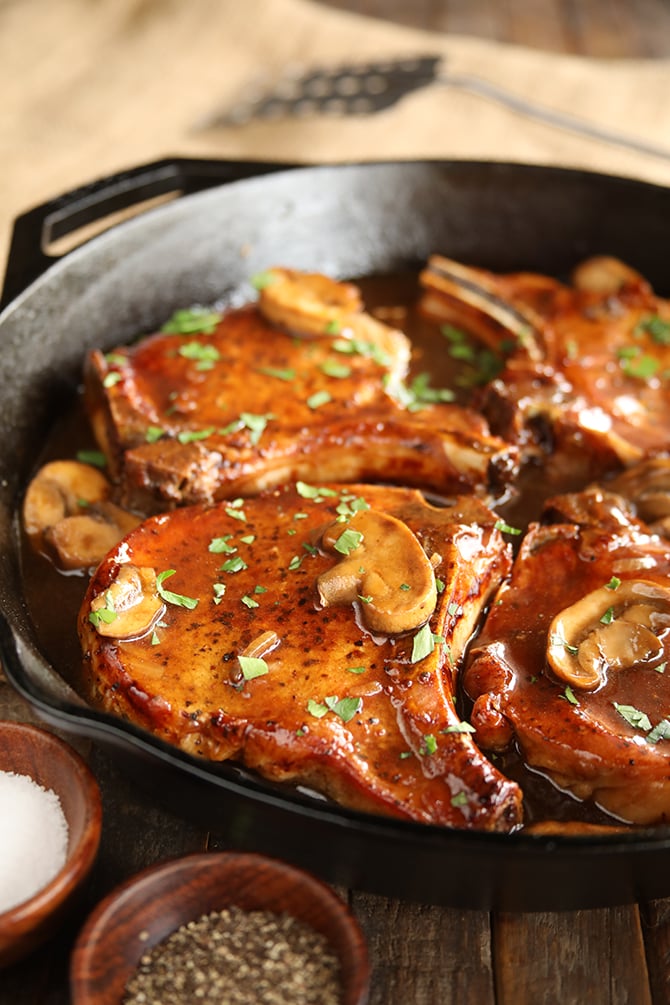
{"x":299,"y":688}
{"x":302,"y":385}
{"x":584,"y":379}
{"x":572,"y":662}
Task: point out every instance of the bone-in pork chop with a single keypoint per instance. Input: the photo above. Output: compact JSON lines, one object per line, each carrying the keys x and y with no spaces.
{"x":572,"y":663}
{"x":583,"y":384}
{"x":312,"y":634}
{"x":303,"y":384}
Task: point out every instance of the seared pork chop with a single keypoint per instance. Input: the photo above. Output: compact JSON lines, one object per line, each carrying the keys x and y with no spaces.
{"x":571,"y":663}
{"x":312,"y":634}
{"x":583,"y":383}
{"x":303,"y":384}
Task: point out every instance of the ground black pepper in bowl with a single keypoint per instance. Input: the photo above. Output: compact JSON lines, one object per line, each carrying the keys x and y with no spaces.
{"x":242,"y":958}
{"x":224,"y":927}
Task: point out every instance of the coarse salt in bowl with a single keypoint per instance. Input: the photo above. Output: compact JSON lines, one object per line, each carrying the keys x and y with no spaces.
{"x":49,"y":838}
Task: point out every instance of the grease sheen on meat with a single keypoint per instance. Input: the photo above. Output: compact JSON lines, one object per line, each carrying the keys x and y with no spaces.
{"x":397,"y":745}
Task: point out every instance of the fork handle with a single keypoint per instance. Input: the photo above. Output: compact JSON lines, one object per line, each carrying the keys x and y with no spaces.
{"x":551,"y":117}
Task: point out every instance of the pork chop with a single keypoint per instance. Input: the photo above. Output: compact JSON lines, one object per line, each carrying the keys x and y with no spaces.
{"x":583,"y":384}
{"x":312,"y":633}
{"x":571,"y":663}
{"x":302,"y":385}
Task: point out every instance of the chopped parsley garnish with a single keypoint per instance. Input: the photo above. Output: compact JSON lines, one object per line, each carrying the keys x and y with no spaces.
{"x":460,"y":799}
{"x":345,"y":708}
{"x":659,"y":732}
{"x":254,"y":423}
{"x":252,"y":666}
{"x":205,"y":356}
{"x":153,"y":434}
{"x":333,"y":368}
{"x":260,"y":280}
{"x":249,"y":601}
{"x":111,"y":379}
{"x":155,"y":641}
{"x":94,"y":457}
{"x":613,"y":584}
{"x":608,"y":617}
{"x":348,"y":541}
{"x":220,"y":546}
{"x":505,"y":528}
{"x":188,"y":322}
{"x":454,"y":610}
{"x":178,"y":599}
{"x":356,"y":669}
{"x":235,"y":510}
{"x":219,"y":591}
{"x":359,"y":347}
{"x":460,"y":727}
{"x":248,"y":539}
{"x":569,"y":696}
{"x":419,"y":393}
{"x":280,"y":373}
{"x":558,"y":640}
{"x":658,"y":328}
{"x":333,"y":327}
{"x":104,"y":615}
{"x":318,"y":399}
{"x":316,"y":708}
{"x":634,"y":717}
{"x":234,"y":564}
{"x":313,"y":491}
{"x":424,"y":643}
{"x":193,"y":435}
{"x":429,"y":745}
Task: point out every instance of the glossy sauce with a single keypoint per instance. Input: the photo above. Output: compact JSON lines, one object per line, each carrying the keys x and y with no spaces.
{"x":54,"y":598}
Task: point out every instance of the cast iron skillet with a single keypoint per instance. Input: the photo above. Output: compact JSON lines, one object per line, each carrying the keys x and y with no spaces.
{"x":347,"y":220}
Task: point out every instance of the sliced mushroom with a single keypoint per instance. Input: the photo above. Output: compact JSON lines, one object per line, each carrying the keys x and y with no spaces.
{"x":609,"y":630}
{"x":604,"y":274}
{"x":384,"y":567}
{"x":67,"y":512}
{"x":130,"y":606}
{"x":647,"y":486}
{"x":307,"y":304}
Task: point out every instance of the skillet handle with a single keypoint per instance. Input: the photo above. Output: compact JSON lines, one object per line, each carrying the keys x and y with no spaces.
{"x":35,"y":230}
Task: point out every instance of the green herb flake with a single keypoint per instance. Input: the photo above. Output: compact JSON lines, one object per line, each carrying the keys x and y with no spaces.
{"x":439,"y":585}
{"x":345,"y":708}
{"x":659,"y":732}
{"x":93,"y":457}
{"x":359,"y":347}
{"x":115,"y":359}
{"x":661,"y":667}
{"x":295,"y":562}
{"x":104,"y":615}
{"x":633,"y":716}
{"x":460,"y":799}
{"x":280,"y":373}
{"x":249,"y":601}
{"x":248,"y":539}
{"x":608,"y":617}
{"x":155,"y":641}
{"x":188,"y":322}
{"x":220,"y":546}
{"x":613,"y":584}
{"x":317,"y":709}
{"x":454,"y":610}
{"x":194,"y":435}
{"x":333,"y":368}
{"x":255,"y":424}
{"x":178,"y":599}
{"x":261,"y":280}
{"x":505,"y":528}
{"x":356,"y":669}
{"x":313,"y":491}
{"x":318,"y":399}
{"x":642,"y":367}
{"x":236,"y":512}
{"x":333,"y":327}
{"x":205,"y":356}
{"x":219,"y":591}
{"x":658,"y":328}
{"x":364,"y":598}
{"x":404,"y":754}
{"x":348,"y":541}
{"x":569,"y":696}
{"x":405,"y":587}
{"x":460,"y":727}
{"x":110,"y":379}
{"x":558,"y":640}
{"x":234,"y":564}
{"x":252,"y":666}
{"x":429,"y":745}
{"x":424,"y":643}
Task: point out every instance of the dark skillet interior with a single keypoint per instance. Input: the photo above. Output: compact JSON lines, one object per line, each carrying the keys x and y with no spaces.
{"x":346,"y":221}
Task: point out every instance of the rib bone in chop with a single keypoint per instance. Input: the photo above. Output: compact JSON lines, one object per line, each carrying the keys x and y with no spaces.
{"x":312,"y":634}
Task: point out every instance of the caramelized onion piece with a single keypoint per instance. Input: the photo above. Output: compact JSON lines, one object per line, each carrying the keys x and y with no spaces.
{"x":130,"y":606}
{"x":608,"y":630}
{"x":647,"y":486}
{"x":383,"y":566}
{"x":307,"y":304}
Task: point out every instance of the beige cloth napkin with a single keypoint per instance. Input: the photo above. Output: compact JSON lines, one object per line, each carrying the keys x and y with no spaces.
{"x":92,"y":87}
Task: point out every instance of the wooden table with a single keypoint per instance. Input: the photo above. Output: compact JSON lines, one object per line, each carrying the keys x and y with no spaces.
{"x":423,"y":954}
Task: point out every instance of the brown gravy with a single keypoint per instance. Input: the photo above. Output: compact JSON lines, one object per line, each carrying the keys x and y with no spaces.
{"x":54,"y":598}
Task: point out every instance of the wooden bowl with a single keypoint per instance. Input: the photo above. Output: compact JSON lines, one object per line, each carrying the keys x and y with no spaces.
{"x":147,"y":908}
{"x":53,"y":764}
